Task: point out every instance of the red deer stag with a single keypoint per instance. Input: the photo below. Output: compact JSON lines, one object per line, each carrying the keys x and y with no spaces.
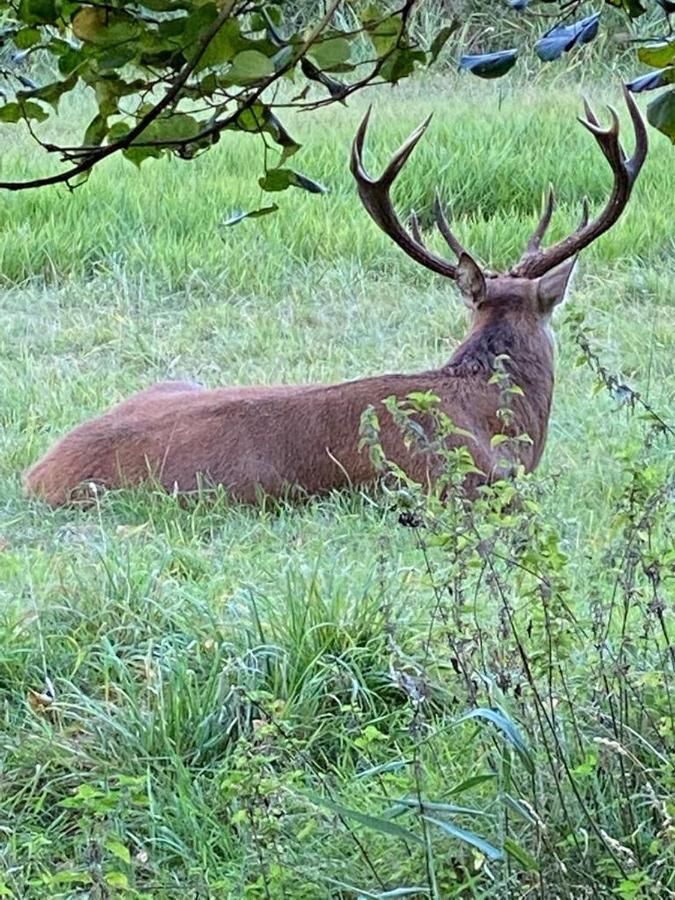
{"x":272,"y":439}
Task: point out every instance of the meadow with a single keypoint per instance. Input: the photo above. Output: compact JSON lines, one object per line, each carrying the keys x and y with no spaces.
{"x":311,"y":700}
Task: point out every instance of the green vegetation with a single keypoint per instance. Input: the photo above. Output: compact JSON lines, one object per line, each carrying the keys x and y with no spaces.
{"x":216,"y":701}
{"x":173,"y":77}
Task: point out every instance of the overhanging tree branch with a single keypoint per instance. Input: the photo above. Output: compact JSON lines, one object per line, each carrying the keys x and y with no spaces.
{"x":217,"y":64}
{"x":97,"y":155}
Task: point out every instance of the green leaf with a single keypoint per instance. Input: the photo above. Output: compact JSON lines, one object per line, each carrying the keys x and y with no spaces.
{"x":71,"y":60}
{"x":331,"y":52}
{"x":448,"y":808}
{"x":224,"y":46}
{"x":276,"y":180}
{"x":96,"y":131}
{"x":249,"y":67}
{"x":528,"y":862}
{"x":103,"y":27}
{"x":237,"y":217}
{"x":385,"y":767}
{"x":661,"y":114}
{"x":51,"y":93}
{"x":137,"y":155}
{"x":66,"y":876}
{"x":14,"y":112}
{"x":38,"y":12}
{"x":116,"y":879}
{"x":10,"y":112}
{"x":279,"y":179}
{"x":117,"y":131}
{"x":259,"y":118}
{"x":468,"y":837}
{"x":251,"y":119}
{"x":383,"y":33}
{"x":498,"y":439}
{"x":634,"y":8}
{"x":441,"y":39}
{"x":423,"y":401}
{"x":489,"y":65}
{"x":116,"y":56}
{"x":658,"y":55}
{"x":471,"y":782}
{"x":400,"y":64}
{"x":118,"y":849}
{"x":381,"y":825}
{"x":508,"y":729}
{"x":27,"y":37}
{"x":173,"y":127}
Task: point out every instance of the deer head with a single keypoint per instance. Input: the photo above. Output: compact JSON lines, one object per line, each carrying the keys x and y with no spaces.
{"x":539,"y":279}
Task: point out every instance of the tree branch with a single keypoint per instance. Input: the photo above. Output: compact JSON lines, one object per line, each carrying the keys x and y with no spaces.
{"x":86,"y":157}
{"x":102,"y":152}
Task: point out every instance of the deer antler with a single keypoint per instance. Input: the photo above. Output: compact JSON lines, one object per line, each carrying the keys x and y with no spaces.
{"x":374,"y":194}
{"x":535,"y":262}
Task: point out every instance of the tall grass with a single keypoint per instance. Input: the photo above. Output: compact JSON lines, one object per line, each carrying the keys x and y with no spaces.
{"x":269,"y":702}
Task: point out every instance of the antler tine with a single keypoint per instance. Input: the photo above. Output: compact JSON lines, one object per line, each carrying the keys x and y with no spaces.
{"x":634,"y":164}
{"x":535,"y":241}
{"x":415,"y":227}
{"x":585,"y":212}
{"x":607,"y":138}
{"x":355,"y":159}
{"x":374,"y":194}
{"x":400,"y":158}
{"x":444,"y":227}
{"x":590,"y":115}
{"x":535,"y":262}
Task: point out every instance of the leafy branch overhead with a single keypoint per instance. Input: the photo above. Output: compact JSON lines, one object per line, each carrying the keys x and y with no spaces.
{"x":569,"y":33}
{"x":170,"y":76}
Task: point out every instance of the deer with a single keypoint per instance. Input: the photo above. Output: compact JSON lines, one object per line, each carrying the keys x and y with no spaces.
{"x":284,"y":440}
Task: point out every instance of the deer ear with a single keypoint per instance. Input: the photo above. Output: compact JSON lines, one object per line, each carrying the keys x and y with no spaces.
{"x":470,"y":280}
{"x":552,"y":287}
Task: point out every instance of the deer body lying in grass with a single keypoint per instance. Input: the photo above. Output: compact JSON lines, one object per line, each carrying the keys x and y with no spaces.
{"x":272,"y":439}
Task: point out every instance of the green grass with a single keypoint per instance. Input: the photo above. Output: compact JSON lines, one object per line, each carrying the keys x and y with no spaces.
{"x":214,"y":666}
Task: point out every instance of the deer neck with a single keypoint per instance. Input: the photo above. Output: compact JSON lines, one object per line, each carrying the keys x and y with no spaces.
{"x":528,"y":354}
{"x":528,"y":361}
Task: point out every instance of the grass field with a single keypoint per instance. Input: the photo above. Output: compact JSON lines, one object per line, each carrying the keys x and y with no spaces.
{"x":255,"y":702}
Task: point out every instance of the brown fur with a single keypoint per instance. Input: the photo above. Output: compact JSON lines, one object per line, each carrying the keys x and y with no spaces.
{"x":271,"y":439}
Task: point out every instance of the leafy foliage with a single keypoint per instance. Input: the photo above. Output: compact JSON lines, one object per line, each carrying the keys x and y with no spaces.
{"x":170,"y":76}
{"x":660,"y":112}
{"x":563,"y":38}
{"x":571,"y":33}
